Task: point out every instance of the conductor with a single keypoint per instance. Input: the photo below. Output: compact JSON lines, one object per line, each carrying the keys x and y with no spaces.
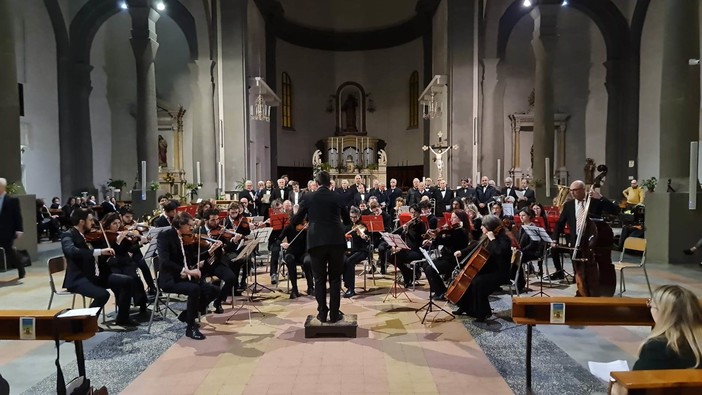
{"x":326,"y":244}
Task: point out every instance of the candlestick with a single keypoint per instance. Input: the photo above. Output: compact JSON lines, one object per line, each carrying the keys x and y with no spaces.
{"x":548,"y":177}
{"x":143,"y":180}
{"x":197,"y":173}
{"x":499,"y":173}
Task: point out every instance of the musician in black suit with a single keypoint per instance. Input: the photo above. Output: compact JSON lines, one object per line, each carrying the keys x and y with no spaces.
{"x":569,"y":216}
{"x":416,"y":196}
{"x":454,"y":238}
{"x":485,"y":194}
{"x":529,"y":197}
{"x":169,"y":212}
{"x":295,"y":253}
{"x":85,"y":277}
{"x":295,"y":196}
{"x":466,"y":192}
{"x":281,"y":192}
{"x":361,"y":195}
{"x":251,"y":198}
{"x":392,"y":193}
{"x":443,"y":197}
{"x":175,"y":269}
{"x":509,"y":190}
{"x":10,"y":226}
{"x":357,"y":243}
{"x":325,"y":243}
{"x":108,"y":206}
{"x":219,"y":264}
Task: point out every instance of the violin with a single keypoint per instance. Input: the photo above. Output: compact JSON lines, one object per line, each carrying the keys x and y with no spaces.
{"x":360,"y":230}
{"x":98,"y":235}
{"x":222,"y":234}
{"x":432,"y":234}
{"x":301,"y":226}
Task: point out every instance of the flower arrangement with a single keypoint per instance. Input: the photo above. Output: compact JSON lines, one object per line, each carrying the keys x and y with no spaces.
{"x":650,"y":183}
{"x":153,"y":186}
{"x":15,"y":188}
{"x":116,"y":184}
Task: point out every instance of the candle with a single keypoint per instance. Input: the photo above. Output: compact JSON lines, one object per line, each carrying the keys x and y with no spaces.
{"x":143,"y":180}
{"x":499,"y":177}
{"x":548,"y":177}
{"x":197,"y":173}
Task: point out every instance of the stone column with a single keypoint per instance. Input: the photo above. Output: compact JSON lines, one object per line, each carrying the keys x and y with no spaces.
{"x":10,"y":156}
{"x":144,"y":45}
{"x":544,"y":44}
{"x":493,"y":137}
{"x":204,"y":131}
{"x":79,"y":167}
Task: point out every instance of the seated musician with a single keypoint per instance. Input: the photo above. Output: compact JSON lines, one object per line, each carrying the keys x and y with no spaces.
{"x":238,"y":223}
{"x":47,"y":222}
{"x":676,"y":339}
{"x":83,"y":275}
{"x":169,"y":212}
{"x":357,"y":240}
{"x":539,"y":212}
{"x":67,"y":209}
{"x":569,"y":215}
{"x":294,"y":254}
{"x":412,"y":233}
{"x":476,"y":221}
{"x":122,"y":242}
{"x":127,"y":216}
{"x":218,"y":266}
{"x":498,"y":211}
{"x":363,"y":208}
{"x":457,"y":204}
{"x":202,"y":208}
{"x":425,"y":208}
{"x":453,"y":237}
{"x":180,"y":273}
{"x":475,"y":302}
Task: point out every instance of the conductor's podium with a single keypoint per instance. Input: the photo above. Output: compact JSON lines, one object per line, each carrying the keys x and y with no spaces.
{"x":345,"y":328}
{"x":75,"y":329}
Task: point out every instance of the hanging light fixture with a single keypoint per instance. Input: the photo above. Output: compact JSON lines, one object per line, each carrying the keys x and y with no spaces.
{"x":260,"y":110}
{"x":432,"y":108}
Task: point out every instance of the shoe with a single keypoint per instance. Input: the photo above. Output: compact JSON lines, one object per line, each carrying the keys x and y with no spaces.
{"x":349,"y":293}
{"x":459,"y":311}
{"x":322,"y":316}
{"x":294,"y":294}
{"x":310,"y":291}
{"x":555,"y":276}
{"x":688,"y":251}
{"x":274,"y":279}
{"x":183,"y":316}
{"x":194,"y":333}
{"x":336,"y":317}
{"x":218,"y":308}
{"x":127,"y":322}
{"x":21,"y":272}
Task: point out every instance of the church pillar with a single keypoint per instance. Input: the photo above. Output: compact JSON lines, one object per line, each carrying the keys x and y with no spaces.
{"x":204,"y":142}
{"x":10,"y":156}
{"x":80,"y":167}
{"x":544,"y":44}
{"x":144,"y":46}
{"x":667,"y":214}
{"x":493,"y":137}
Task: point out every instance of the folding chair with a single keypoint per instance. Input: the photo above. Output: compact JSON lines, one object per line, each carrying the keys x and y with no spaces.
{"x":161,"y":298}
{"x":516,"y":261}
{"x":632,"y":244}
{"x":57,"y":264}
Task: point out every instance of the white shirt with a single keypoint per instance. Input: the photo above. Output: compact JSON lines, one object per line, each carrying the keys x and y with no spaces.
{"x":579,"y":205}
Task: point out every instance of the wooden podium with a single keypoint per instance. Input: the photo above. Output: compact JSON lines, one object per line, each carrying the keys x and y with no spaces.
{"x":75,"y":329}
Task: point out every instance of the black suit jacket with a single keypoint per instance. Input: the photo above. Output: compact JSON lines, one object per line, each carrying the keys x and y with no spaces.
{"x":107,"y":208}
{"x":512,"y":192}
{"x":324,"y":211}
{"x":597,"y":207}
{"x":530,"y":198}
{"x":487,"y":195}
{"x":161,"y":222}
{"x":468,"y":194}
{"x":80,"y":260}
{"x":393,"y":193}
{"x":10,"y":219}
{"x":655,"y":354}
{"x":360,"y":198}
{"x":276,"y":194}
{"x":291,"y":197}
{"x":347,"y":196}
{"x":442,"y":202}
{"x":170,"y":256}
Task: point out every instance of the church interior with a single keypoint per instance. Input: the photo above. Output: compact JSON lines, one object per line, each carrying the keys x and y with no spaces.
{"x":127,"y":107}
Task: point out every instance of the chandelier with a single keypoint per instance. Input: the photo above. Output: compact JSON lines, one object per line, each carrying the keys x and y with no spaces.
{"x":432,"y":108}
{"x":260,"y":111}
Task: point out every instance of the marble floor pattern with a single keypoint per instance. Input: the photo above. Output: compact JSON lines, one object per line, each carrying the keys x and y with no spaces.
{"x":393,"y":354}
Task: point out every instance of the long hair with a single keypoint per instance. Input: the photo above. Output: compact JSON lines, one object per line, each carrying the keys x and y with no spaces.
{"x":679,"y":320}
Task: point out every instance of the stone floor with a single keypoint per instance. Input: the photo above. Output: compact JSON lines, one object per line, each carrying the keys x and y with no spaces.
{"x":393,"y":353}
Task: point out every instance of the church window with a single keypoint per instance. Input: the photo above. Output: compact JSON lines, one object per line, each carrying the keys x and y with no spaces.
{"x":287,"y":101}
{"x":413,"y":103}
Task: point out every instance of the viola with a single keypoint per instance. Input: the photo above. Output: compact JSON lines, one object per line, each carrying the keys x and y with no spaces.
{"x":222,"y":234}
{"x":96,"y":235}
{"x":191,"y":239}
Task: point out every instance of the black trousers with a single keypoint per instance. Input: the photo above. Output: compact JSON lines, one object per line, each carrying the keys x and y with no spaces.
{"x":199,"y":295}
{"x":224,"y":273}
{"x":237,"y":267}
{"x":383,"y":252}
{"x":401,"y":259}
{"x":350,"y":262}
{"x":137,"y":290}
{"x":274,"y":248}
{"x":291,"y":262}
{"x":475,"y":302}
{"x":145,"y":272}
{"x":120,"y":284}
{"x":11,"y":257}
{"x":327,"y":260}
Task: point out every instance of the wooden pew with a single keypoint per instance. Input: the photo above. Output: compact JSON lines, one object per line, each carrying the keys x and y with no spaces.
{"x":75,"y":329}
{"x":660,"y":382}
{"x":580,"y":311}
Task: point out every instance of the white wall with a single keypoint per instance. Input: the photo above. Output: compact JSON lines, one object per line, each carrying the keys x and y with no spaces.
{"x":259,"y":132}
{"x":650,"y":91}
{"x":317,"y":74}
{"x":596,"y":110}
{"x":36,"y":69}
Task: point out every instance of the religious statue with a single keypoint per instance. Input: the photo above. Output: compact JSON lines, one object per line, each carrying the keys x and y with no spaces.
{"x":162,"y":151}
{"x":589,"y":171}
{"x":382,"y":157}
{"x":349,"y":108}
{"x":349,"y":164}
{"x":317,"y":158}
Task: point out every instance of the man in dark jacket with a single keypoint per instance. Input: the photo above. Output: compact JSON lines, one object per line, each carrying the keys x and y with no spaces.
{"x":10,"y":226}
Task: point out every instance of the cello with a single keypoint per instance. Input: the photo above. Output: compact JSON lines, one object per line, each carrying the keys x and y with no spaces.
{"x":471,"y":266}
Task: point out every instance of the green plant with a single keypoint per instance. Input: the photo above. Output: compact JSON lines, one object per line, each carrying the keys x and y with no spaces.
{"x":373,"y":166}
{"x":193,"y":187}
{"x":153,"y":186}
{"x":240,"y":185}
{"x":15,"y":188}
{"x":538,"y":182}
{"x":325,"y":166}
{"x":650,"y":183}
{"x":116,"y":184}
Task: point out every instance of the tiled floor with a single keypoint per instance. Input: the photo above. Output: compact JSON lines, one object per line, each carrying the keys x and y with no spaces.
{"x":393,"y":354}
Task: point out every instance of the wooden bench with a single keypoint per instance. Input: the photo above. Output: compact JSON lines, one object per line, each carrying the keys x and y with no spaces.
{"x":75,"y":329}
{"x":659,"y":382}
{"x":580,"y":311}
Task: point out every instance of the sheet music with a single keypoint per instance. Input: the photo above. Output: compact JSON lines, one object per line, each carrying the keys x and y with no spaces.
{"x":520,"y":194}
{"x":537,"y":234}
{"x":86,"y":312}
{"x":602,"y":370}
{"x":508,"y":209}
{"x":394,"y":240}
{"x":428,"y":259}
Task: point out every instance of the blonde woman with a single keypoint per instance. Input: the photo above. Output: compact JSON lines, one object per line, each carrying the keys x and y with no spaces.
{"x":676,"y":339}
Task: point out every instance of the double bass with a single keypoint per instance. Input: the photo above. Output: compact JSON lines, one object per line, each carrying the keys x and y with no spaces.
{"x":592,"y":260}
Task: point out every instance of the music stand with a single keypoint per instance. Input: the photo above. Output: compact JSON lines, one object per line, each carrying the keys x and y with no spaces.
{"x":374,"y":224}
{"x":429,"y":306}
{"x":258,"y":236}
{"x":245,"y":254}
{"x":279,"y":221}
{"x":540,"y":235}
{"x":395,"y":241}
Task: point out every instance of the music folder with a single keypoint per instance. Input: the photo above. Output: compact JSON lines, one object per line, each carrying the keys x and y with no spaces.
{"x":279,"y":221}
{"x":374,"y":223}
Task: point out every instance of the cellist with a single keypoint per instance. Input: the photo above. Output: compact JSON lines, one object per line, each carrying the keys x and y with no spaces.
{"x":475,"y":301}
